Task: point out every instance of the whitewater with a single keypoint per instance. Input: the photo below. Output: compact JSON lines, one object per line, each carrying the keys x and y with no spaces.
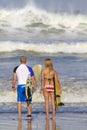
{"x":31,"y":29}
{"x":33,"y":23}
{"x":50,"y":48}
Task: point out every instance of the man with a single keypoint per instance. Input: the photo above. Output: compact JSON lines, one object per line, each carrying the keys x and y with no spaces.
{"x":20,"y":74}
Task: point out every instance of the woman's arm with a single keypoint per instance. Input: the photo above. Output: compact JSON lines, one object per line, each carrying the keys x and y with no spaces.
{"x":42,"y":80}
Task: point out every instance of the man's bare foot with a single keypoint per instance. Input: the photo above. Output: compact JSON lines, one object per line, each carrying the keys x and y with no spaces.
{"x":29,"y":117}
{"x":19,"y":117}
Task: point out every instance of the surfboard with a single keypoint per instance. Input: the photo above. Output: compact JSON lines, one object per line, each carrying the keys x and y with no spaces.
{"x":57,"y":92}
{"x":37,"y":71}
{"x":29,"y":86}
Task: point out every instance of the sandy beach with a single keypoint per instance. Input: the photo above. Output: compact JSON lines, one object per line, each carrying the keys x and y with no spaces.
{"x":63,"y":121}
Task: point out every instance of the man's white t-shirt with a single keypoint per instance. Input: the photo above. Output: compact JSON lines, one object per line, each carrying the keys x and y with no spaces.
{"x":22,"y":72}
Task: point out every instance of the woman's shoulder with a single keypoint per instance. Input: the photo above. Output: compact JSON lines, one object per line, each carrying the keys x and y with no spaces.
{"x":43,"y":70}
{"x":54,"y":71}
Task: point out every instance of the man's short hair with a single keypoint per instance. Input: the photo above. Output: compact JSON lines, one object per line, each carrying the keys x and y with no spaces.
{"x":23,"y":59}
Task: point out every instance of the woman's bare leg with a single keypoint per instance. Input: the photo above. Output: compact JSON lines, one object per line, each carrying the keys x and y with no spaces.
{"x":53,"y":104}
{"x":46,"y":97}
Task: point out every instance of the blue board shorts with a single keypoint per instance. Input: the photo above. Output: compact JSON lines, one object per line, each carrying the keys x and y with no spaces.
{"x":21,"y":94}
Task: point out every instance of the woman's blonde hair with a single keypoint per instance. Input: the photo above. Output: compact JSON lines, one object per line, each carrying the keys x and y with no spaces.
{"x":48,"y":63}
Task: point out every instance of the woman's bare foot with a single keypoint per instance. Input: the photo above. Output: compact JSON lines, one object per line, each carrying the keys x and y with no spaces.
{"x":52,"y":118}
{"x":47,"y":117}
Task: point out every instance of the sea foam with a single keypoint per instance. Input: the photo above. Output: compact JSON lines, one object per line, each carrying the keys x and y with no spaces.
{"x":60,"y":47}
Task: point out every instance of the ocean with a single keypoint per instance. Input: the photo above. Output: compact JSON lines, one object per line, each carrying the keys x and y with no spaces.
{"x":42,"y":29}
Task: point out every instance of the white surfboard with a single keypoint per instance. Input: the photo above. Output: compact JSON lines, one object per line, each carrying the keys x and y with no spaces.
{"x":37,"y":71}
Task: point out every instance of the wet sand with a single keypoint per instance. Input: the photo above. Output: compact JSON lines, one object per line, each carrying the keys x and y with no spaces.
{"x":63,"y":121}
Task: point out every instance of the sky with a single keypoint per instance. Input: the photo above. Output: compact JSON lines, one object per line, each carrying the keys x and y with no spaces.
{"x":59,"y":5}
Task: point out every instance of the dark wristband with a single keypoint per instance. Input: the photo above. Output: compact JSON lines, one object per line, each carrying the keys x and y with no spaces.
{"x":13,"y":86}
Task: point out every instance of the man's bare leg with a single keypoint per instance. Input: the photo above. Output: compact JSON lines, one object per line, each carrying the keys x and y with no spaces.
{"x":19,"y":110}
{"x":29,"y":108}
{"x":19,"y":125}
{"x":47,"y":125}
{"x":29,"y":125}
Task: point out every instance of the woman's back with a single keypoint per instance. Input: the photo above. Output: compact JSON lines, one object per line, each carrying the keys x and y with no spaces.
{"x":48,"y":76}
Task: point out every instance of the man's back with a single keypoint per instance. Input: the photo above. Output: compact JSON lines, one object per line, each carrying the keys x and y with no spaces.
{"x":22,"y":72}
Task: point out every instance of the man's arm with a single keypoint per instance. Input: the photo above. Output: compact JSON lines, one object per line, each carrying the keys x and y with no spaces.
{"x":14,"y":78}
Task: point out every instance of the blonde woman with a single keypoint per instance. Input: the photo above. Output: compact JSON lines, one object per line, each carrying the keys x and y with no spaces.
{"x":47,"y":86}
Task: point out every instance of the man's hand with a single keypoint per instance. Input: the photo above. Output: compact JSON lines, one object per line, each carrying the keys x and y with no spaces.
{"x":34,"y":88}
{"x":13,"y":89}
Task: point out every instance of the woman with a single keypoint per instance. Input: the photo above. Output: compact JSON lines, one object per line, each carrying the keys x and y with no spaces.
{"x":47,"y":86}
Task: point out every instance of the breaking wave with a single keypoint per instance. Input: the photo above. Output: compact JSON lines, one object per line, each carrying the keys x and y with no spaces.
{"x":54,"y":48}
{"x":32,"y":20}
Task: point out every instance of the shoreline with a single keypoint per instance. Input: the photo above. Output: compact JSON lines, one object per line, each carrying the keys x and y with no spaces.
{"x":11,"y":107}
